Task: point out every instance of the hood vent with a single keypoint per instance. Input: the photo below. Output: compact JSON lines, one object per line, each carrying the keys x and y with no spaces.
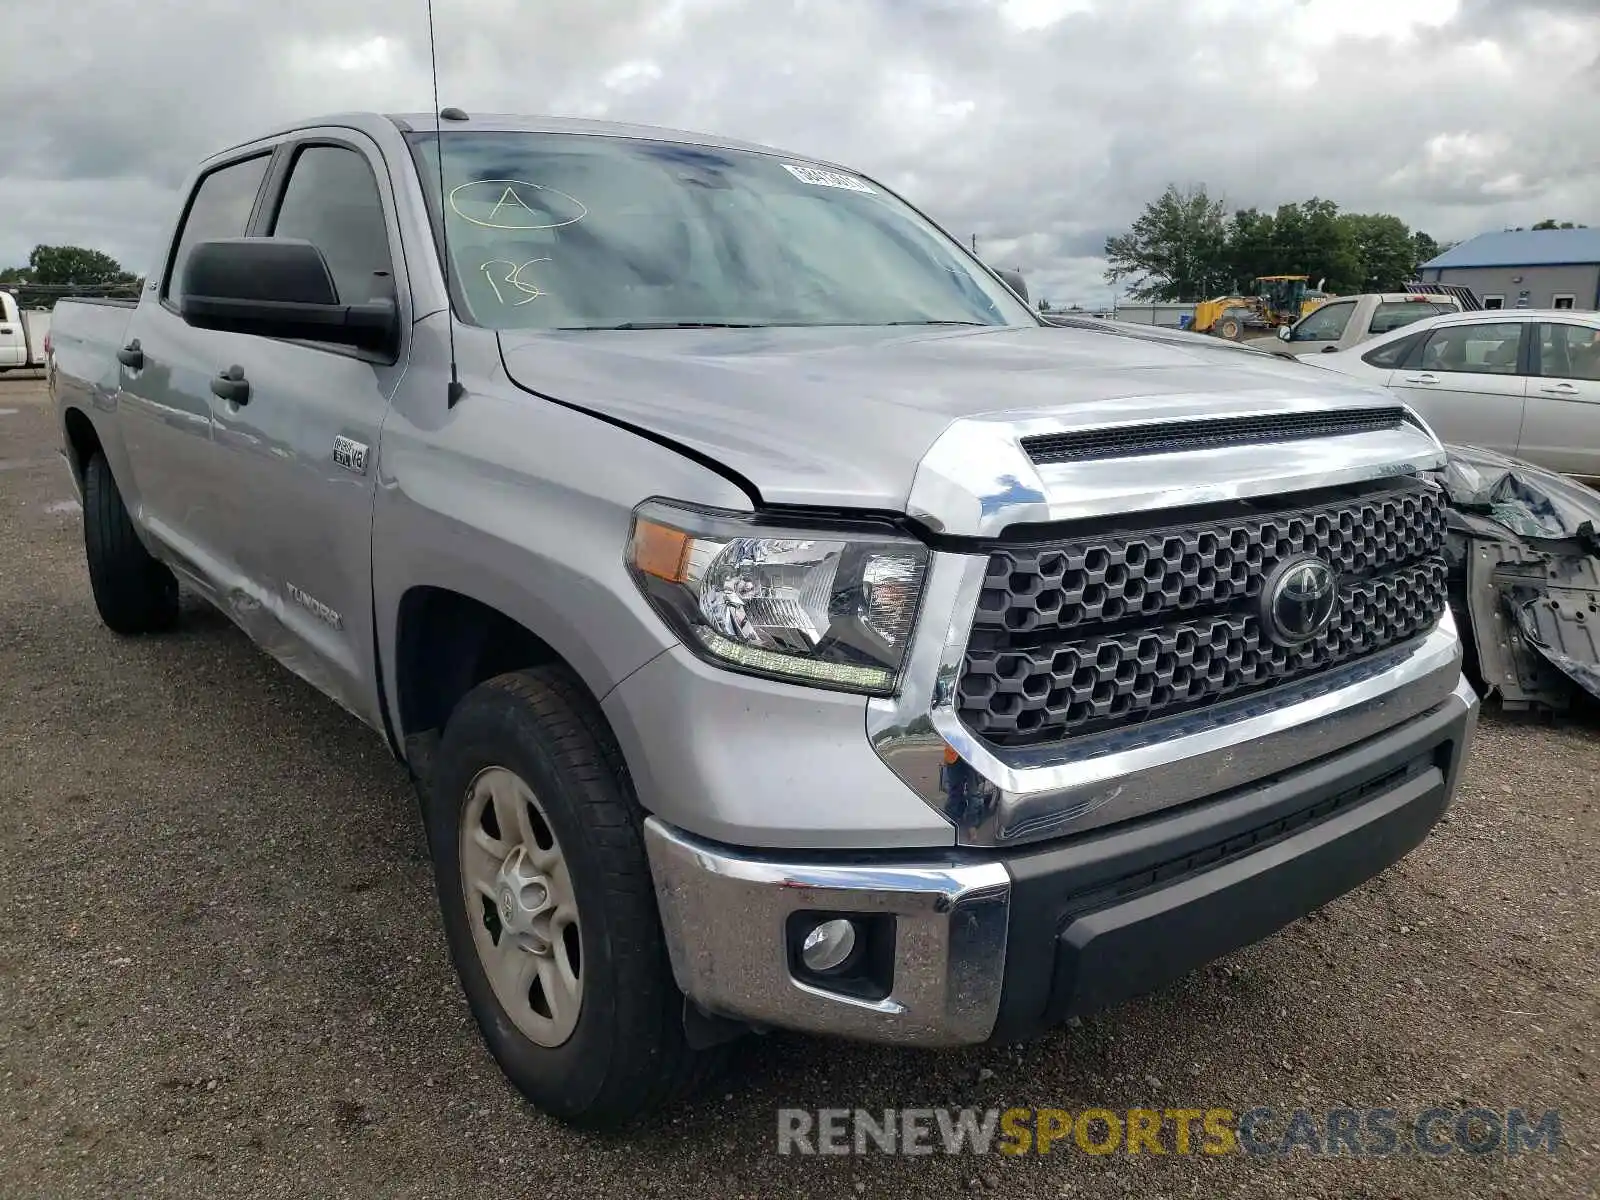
{"x":1133,"y":441}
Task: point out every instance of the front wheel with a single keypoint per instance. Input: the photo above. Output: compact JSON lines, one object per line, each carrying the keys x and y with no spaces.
{"x":548,"y":904}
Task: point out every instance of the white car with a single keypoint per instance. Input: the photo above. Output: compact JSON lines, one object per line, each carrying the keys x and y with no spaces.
{"x":1525,"y":382}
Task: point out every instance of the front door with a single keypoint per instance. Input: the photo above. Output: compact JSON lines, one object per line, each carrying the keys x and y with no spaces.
{"x":1466,"y":382}
{"x":1561,"y":430}
{"x":302,"y":448}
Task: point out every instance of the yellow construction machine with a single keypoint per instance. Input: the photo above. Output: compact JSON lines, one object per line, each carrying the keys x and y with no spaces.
{"x":1279,"y":300}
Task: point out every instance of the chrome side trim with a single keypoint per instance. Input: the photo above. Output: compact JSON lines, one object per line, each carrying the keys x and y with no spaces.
{"x":1013,"y":797}
{"x":724,"y":913}
{"x":976,"y":479}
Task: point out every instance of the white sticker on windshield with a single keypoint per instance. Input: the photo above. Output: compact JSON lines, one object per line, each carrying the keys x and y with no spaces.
{"x":821,"y":178}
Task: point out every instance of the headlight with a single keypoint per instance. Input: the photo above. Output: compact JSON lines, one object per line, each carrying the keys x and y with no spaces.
{"x":827,"y":607}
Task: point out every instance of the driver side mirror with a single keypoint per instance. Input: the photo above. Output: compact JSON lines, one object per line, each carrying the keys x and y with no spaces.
{"x":1285,"y":333}
{"x":279,"y":288}
{"x":1014,"y":281}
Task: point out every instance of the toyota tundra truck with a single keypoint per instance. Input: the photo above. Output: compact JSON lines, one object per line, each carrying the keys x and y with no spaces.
{"x":784,"y":628}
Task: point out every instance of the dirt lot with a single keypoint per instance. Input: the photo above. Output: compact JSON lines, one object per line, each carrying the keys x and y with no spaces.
{"x":221,"y":969}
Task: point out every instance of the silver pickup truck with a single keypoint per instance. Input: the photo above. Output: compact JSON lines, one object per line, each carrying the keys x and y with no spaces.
{"x":783,"y":626}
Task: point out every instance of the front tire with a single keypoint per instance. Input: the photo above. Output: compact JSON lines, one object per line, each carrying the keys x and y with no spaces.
{"x":133,"y":592}
{"x":548,"y":904}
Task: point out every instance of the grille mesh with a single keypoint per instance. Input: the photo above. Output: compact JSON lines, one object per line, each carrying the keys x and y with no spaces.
{"x":1082,"y":635}
{"x":1173,"y":437}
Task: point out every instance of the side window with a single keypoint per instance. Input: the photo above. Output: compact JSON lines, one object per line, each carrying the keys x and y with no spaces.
{"x":1392,"y":354}
{"x":1479,"y":349}
{"x":220,"y":209}
{"x":1396,"y":314}
{"x":1326,"y":324}
{"x":332,"y":202}
{"x":1569,"y":352}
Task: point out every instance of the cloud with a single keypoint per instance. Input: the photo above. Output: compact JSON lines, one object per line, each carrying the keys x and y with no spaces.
{"x":1038,"y":125}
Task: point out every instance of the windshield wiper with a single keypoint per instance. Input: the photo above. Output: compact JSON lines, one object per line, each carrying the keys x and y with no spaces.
{"x":668,"y":325}
{"x":982,"y":323}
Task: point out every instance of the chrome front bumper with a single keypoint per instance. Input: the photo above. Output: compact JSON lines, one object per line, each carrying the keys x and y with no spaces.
{"x":983,"y":940}
{"x":724,"y":912}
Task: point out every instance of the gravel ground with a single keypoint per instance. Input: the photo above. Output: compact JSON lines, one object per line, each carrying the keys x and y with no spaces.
{"x":221,"y":967}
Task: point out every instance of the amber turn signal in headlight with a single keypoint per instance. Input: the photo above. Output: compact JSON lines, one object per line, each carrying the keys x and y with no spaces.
{"x":829,"y":607}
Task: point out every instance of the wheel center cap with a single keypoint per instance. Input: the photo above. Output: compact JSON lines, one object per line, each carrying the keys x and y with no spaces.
{"x":523,"y":893}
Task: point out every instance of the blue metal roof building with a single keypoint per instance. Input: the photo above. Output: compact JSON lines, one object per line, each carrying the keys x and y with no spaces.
{"x":1525,"y":268}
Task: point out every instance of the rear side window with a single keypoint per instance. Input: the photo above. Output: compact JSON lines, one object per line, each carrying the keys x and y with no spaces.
{"x":1391,"y":354}
{"x":1396,"y":314}
{"x":332,"y":201}
{"x":220,"y":209}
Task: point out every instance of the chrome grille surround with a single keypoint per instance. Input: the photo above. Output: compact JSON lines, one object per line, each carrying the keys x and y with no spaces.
{"x":977,"y":482}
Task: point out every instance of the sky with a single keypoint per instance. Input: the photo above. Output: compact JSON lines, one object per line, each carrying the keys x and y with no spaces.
{"x":1041,"y":126}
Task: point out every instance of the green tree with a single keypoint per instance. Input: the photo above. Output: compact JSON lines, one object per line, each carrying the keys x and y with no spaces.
{"x":1044,"y":305}
{"x":1549,"y":223}
{"x":55,"y":265}
{"x":1385,"y":250}
{"x":1251,"y":250}
{"x":1424,"y":247}
{"x":1176,"y":250}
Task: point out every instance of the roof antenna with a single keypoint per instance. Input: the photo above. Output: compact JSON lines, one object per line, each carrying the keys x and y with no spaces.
{"x":455,"y":391}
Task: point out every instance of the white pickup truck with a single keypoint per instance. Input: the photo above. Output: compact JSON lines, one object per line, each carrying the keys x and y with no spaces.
{"x":1350,"y":320}
{"x":23,"y":335}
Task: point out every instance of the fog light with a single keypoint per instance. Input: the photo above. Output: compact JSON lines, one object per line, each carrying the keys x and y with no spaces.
{"x":828,"y":946}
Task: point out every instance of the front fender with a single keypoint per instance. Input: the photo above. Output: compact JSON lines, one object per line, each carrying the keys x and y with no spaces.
{"x":525,"y":506}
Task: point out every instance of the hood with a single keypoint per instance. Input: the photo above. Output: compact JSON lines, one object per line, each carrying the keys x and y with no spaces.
{"x":840,"y":417}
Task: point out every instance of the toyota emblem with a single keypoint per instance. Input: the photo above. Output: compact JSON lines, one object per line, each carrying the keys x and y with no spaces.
{"x":1298,"y":601}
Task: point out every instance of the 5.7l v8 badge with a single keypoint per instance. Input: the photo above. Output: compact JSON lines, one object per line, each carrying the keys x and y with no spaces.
{"x":350,"y":454}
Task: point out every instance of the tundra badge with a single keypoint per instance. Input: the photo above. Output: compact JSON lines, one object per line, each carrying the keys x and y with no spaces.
{"x":316,"y":607}
{"x":351,"y":455}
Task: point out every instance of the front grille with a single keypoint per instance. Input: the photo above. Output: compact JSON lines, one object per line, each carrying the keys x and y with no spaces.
{"x":1096,"y":632}
{"x":1174,"y":436}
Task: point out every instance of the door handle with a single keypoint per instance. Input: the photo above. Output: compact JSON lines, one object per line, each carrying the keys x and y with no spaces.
{"x":1560,"y":389}
{"x":1422,"y":379}
{"x":232,"y":386}
{"x":1330,"y":349}
{"x":131,"y":356}
{"x":6,"y":329}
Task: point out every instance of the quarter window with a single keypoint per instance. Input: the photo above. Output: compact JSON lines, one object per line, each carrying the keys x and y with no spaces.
{"x":1392,"y":354}
{"x":1479,"y":349}
{"x":332,"y":201}
{"x":220,"y":209}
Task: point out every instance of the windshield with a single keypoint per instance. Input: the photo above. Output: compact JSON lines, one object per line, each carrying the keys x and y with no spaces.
{"x":569,"y":231}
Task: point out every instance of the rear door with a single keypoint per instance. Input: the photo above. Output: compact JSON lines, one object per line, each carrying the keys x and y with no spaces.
{"x":1467,"y":382}
{"x":302,"y":451}
{"x":1321,"y":330}
{"x":1561,"y":429}
{"x":165,"y":398}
